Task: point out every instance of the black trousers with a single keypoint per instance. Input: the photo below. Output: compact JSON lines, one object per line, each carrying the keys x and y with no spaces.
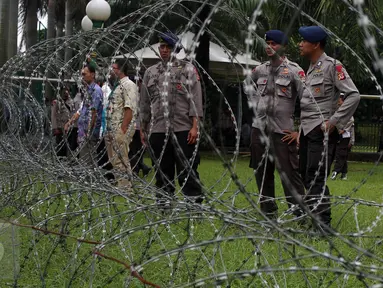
{"x":61,"y":146}
{"x":135,"y":157}
{"x":311,"y":149}
{"x":341,"y":155}
{"x":175,"y":157}
{"x":65,"y":143}
{"x":285,"y":159}
{"x":103,"y":161}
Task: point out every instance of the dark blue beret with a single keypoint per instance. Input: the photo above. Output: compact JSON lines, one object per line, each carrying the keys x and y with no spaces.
{"x":277,"y":36}
{"x":312,"y":34}
{"x":168,"y":38}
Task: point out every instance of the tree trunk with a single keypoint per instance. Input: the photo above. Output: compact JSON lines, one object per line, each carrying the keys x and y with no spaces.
{"x":31,"y":23}
{"x":4,"y":20}
{"x":60,"y":29}
{"x":51,"y":19}
{"x":68,"y":28}
{"x":13,"y":25}
{"x":59,"y":40}
{"x":203,"y":50}
{"x":51,"y":34}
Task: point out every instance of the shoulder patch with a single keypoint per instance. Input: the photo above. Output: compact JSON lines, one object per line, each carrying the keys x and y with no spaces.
{"x":302,"y":75}
{"x":196,"y":73}
{"x":339,"y":70}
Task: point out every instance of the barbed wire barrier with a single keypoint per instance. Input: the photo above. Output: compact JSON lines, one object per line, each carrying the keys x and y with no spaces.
{"x":65,"y":224}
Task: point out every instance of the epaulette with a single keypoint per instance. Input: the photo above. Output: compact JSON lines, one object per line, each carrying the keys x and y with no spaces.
{"x":293,"y":64}
{"x":330,"y":59}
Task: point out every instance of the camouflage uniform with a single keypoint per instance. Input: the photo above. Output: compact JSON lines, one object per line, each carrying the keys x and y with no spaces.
{"x":125,"y":95}
{"x":184,"y":97}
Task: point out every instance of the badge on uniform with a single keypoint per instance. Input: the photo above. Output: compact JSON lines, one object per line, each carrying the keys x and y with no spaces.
{"x":341,"y":75}
{"x":284,"y":90}
{"x":319,"y":64}
{"x":317,"y":90}
{"x":196,"y":72}
{"x":285,"y":71}
{"x":302,"y":75}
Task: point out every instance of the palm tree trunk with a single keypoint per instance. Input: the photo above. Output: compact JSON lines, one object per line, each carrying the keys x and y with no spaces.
{"x":60,"y":29}
{"x":203,"y":50}
{"x":59,"y":41}
{"x":203,"y":53}
{"x":4,"y":18}
{"x":51,"y":33}
{"x":31,"y":23}
{"x":68,"y":28}
{"x":13,"y":25}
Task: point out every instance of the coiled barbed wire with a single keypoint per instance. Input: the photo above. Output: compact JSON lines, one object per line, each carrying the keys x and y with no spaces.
{"x":75,"y":228}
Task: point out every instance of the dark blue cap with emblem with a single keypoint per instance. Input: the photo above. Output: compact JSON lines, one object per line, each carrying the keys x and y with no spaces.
{"x":312,"y":34}
{"x":170,"y":39}
{"x":277,"y":36}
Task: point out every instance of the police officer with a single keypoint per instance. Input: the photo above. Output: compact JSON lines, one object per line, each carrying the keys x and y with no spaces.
{"x":61,"y":111}
{"x":326,"y":77}
{"x":184,"y":96}
{"x":278,"y":84}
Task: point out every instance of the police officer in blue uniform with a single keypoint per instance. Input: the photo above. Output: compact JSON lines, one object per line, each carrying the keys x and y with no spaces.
{"x":325,"y":79}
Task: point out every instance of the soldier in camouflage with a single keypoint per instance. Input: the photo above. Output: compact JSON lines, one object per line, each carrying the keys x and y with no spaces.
{"x":183,"y":93}
{"x":278,"y":83}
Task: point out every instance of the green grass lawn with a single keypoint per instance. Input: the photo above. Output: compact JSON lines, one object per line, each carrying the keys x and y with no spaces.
{"x":228,"y":248}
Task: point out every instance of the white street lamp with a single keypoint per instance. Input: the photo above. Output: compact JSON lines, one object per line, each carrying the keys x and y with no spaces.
{"x":98,"y":11}
{"x":86,"y":23}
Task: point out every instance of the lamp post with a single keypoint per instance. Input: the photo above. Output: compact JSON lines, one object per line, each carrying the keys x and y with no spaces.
{"x":98,"y":11}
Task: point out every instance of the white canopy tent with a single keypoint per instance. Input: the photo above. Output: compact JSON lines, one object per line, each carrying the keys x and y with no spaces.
{"x":220,"y":60}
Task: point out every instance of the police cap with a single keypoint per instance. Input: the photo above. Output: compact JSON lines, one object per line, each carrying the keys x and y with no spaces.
{"x":312,"y":34}
{"x":277,"y":36}
{"x":168,"y":38}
